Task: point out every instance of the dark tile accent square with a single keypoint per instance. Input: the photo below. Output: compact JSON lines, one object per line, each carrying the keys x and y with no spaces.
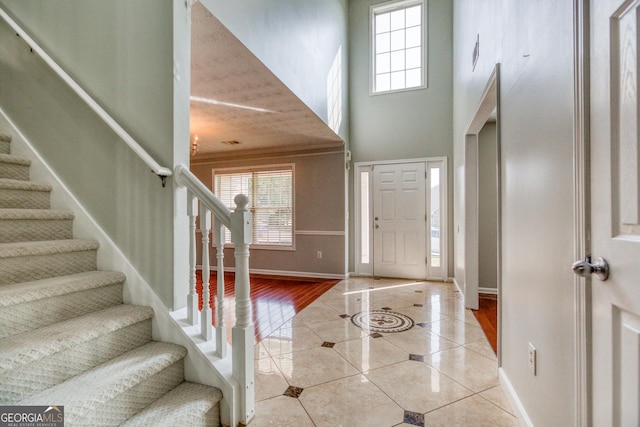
{"x":416,"y":357}
{"x":328,"y":344}
{"x":292,"y":391}
{"x":386,"y":308}
{"x":418,"y":305}
{"x":376,"y":335}
{"x":422,"y":325}
{"x":345,"y":316}
{"x":414,"y":418}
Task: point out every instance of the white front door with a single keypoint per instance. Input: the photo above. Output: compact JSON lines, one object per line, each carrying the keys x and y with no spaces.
{"x":615,"y":211}
{"x":399,"y":220}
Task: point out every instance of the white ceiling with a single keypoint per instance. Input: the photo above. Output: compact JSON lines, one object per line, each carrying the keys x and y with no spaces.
{"x":234,"y":97}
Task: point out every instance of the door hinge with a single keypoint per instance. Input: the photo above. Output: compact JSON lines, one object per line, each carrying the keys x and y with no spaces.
{"x":426,"y":260}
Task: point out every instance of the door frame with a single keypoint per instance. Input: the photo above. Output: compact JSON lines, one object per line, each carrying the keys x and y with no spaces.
{"x":582,"y":215}
{"x":489,"y":102}
{"x":361,"y":269}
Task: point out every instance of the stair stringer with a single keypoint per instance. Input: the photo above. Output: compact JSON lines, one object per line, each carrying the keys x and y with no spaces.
{"x":200,"y":365}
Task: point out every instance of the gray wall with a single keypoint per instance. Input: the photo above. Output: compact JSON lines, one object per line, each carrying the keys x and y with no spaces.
{"x":533,"y":43}
{"x":402,"y":125}
{"x":297,"y":40}
{"x":487,"y":207}
{"x":120,"y":52}
{"x":319,"y":207}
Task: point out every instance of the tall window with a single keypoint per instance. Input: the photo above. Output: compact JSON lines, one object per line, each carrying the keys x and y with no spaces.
{"x":397,"y":46}
{"x":270,"y":194}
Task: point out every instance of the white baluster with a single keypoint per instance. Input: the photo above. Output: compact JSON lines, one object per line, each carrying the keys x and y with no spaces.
{"x":206,"y":327}
{"x":243,"y":332}
{"x":192,"y":298}
{"x":221,"y":329}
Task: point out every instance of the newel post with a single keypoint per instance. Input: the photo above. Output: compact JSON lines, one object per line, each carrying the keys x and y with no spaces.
{"x":243,"y":331}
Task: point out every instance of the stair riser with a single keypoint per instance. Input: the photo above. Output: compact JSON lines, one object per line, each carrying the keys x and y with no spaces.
{"x":5,"y":147}
{"x":36,"y":267}
{"x":23,"y":230}
{"x":24,"y":199}
{"x":46,"y":372}
{"x":131,"y":401}
{"x":14,"y":171}
{"x":25,"y":317}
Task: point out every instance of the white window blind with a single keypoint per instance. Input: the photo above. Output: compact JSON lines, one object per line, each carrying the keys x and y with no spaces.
{"x":270,"y":200}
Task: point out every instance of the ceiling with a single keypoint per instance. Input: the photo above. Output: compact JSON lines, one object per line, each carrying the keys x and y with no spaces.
{"x":238,"y":105}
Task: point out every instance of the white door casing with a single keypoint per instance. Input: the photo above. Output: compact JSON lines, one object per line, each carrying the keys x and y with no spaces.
{"x":615,"y":211}
{"x":399,"y":211}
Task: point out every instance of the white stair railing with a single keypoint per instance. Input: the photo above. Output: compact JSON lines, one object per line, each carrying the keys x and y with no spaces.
{"x":203,"y":203}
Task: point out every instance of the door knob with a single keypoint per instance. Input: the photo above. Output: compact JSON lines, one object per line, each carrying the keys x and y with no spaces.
{"x":585,"y":268}
{"x":377,"y":226}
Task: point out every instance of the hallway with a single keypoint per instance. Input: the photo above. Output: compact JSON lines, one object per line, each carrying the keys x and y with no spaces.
{"x":320,"y":369}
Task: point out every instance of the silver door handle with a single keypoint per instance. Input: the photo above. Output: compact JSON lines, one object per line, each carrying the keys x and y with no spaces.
{"x":585,"y":268}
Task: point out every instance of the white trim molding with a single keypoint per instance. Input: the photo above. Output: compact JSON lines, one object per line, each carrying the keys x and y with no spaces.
{"x":488,"y":291}
{"x":512,"y":396}
{"x":319,"y":233}
{"x":313,"y":275}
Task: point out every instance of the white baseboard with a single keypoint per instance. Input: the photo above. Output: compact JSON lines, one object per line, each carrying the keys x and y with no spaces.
{"x":457,"y":285}
{"x":283,"y":273}
{"x":450,"y":279}
{"x":490,"y":291}
{"x":516,"y":404}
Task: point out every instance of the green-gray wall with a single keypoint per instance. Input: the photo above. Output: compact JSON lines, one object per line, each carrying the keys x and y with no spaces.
{"x":402,"y":125}
{"x":533,"y":42}
{"x":121,"y":52}
{"x":318,"y":214}
{"x":487,"y":207}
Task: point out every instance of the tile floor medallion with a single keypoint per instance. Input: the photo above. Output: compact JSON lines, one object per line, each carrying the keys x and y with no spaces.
{"x":382,"y":321}
{"x":432,"y":366}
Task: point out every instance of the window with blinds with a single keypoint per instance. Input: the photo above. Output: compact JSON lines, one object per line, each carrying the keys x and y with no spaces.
{"x":270,"y":194}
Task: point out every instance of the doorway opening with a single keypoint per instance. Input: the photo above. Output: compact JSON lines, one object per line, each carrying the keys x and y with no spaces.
{"x":401,"y":219}
{"x":482,"y":169}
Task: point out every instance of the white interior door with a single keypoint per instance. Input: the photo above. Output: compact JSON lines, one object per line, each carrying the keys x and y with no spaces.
{"x":399,"y":220}
{"x":615,"y":211}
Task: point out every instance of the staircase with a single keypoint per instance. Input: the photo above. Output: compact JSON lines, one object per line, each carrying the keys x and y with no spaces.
{"x":66,"y":338}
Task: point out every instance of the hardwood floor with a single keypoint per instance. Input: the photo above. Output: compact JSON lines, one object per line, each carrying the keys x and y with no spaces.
{"x":487,"y":316}
{"x":275,"y":300}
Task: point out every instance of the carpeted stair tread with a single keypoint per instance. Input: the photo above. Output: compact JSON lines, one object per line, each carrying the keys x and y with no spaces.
{"x":5,"y":143}
{"x":31,"y":305}
{"x":116,"y":390}
{"x":14,"y":167}
{"x":15,"y":160}
{"x":20,"y":293}
{"x":29,"y":225}
{"x":16,"y":184}
{"x":50,"y":247}
{"x":20,"y":350}
{"x":23,"y":194}
{"x":189,"y":404}
{"x":28,"y":214}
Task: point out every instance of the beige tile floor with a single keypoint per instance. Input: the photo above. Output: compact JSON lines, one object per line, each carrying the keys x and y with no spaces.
{"x":319,"y":369}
